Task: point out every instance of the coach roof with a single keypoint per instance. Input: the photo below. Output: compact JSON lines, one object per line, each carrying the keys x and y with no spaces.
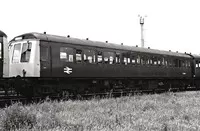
{"x":69,"y":40}
{"x":3,"y":34}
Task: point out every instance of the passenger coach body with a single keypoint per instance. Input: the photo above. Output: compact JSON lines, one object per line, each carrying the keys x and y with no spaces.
{"x":69,"y":61}
{"x":54,"y":56}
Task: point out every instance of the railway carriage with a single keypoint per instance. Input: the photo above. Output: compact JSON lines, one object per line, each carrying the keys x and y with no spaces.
{"x":4,"y":63}
{"x":3,"y":55}
{"x":55,"y":65}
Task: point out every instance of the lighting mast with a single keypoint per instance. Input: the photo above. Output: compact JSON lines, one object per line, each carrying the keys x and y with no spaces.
{"x":142,"y":30}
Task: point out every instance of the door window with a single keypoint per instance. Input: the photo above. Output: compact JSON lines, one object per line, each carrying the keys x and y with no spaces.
{"x":44,"y":54}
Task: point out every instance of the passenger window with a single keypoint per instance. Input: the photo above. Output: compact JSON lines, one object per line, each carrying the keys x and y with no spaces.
{"x":176,"y":63}
{"x":78,"y":56}
{"x":117,"y":58}
{"x":99,"y":57}
{"x":142,"y":60}
{"x":109,"y":57}
{"x":155,"y":61}
{"x":150,"y":60}
{"x":138,"y":59}
{"x":89,"y":56}
{"x":166,"y":62}
{"x":188,"y":63}
{"x":66,"y":54}
{"x":163,"y":61}
{"x":126,"y":58}
{"x":147,"y":61}
{"x":197,"y":64}
{"x":182,"y":63}
{"x":133,"y":59}
{"x":170,"y":63}
{"x":16,"y":53}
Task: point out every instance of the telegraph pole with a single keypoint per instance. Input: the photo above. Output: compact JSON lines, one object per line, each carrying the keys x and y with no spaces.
{"x":142,"y":30}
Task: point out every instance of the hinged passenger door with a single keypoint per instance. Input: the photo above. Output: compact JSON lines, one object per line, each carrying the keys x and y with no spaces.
{"x":45,"y":59}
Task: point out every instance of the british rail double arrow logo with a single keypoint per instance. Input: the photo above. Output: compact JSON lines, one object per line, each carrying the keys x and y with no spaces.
{"x":67,"y":70}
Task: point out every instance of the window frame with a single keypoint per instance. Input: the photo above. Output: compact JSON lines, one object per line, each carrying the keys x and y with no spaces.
{"x":67,"y":54}
{"x":13,"y":53}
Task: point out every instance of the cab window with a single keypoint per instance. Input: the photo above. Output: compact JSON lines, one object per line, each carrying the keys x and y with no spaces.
{"x":16,"y":53}
{"x":26,"y":52}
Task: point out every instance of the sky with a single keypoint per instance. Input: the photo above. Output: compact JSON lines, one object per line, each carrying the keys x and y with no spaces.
{"x":169,"y":24}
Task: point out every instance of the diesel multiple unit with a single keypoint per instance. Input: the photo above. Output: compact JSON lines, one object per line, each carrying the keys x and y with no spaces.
{"x":46,"y":64}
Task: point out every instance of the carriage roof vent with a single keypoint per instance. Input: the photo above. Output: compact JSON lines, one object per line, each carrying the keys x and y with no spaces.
{"x":68,"y":36}
{"x":176,"y":51}
{"x":121,"y":43}
{"x":169,"y":50}
{"x":185,"y":52}
{"x":87,"y":38}
{"x":148,"y":47}
{"x":136,"y":46}
{"x":45,"y":32}
{"x":106,"y":41}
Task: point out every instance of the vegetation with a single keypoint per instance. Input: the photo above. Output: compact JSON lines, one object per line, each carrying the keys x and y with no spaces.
{"x":158,"y":112}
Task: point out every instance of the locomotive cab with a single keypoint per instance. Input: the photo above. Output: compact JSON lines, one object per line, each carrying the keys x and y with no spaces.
{"x":24,"y":60}
{"x":3,"y":55}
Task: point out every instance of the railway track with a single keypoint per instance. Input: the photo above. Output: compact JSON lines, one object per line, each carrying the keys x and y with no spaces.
{"x":10,"y":99}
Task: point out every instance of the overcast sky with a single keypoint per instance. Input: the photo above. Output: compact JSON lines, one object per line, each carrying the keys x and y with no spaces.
{"x":169,"y":25}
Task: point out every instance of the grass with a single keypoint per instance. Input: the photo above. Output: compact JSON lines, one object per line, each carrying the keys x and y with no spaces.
{"x":158,"y":112}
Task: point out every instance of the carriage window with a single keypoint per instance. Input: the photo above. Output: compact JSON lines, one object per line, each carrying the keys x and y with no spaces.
{"x":109,"y":57}
{"x":16,"y":53}
{"x":138,"y":59}
{"x":197,"y":64}
{"x":133,"y":59}
{"x":78,"y":56}
{"x":170,"y":63}
{"x":26,"y":52}
{"x":99,"y":57}
{"x":147,"y":60}
{"x":89,"y":56}
{"x":188,"y":63}
{"x":117,"y":58}
{"x":126,"y":58}
{"x":142,"y":60}
{"x":66,"y":54}
{"x":176,"y":63}
{"x":150,"y":61}
{"x":163,"y":61}
{"x":181,"y":63}
{"x":155,"y":61}
{"x":166,"y":62}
